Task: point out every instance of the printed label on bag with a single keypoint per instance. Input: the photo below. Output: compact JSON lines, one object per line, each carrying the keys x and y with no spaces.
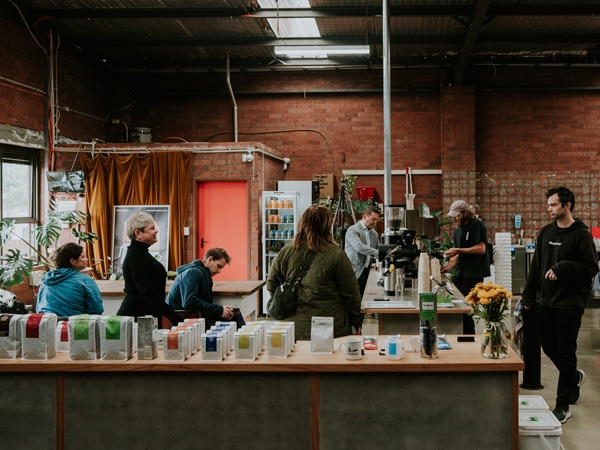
{"x":32,"y":328}
{"x":64,"y":332}
{"x":81,"y":330}
{"x":173,"y":340}
{"x":244,"y":341}
{"x":211,"y":343}
{"x":276,"y":340}
{"x":113,"y":328}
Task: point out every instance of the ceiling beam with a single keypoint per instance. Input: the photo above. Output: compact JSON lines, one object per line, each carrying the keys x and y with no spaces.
{"x":317,"y":12}
{"x":136,"y":64}
{"x":473,"y":31}
{"x":590,"y":38}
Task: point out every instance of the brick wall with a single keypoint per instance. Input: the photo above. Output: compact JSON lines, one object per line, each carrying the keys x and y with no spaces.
{"x":534,"y":141}
{"x":497,"y":147}
{"x":22,"y":78}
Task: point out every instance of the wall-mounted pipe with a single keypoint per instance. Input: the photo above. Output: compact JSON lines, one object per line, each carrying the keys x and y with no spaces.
{"x":235,"y":117}
{"x":392,"y":172}
{"x":387,"y":108}
{"x":180,"y":148}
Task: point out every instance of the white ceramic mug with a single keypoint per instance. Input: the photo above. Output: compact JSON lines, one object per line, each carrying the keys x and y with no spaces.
{"x":393,"y":347}
{"x":352,"y":348}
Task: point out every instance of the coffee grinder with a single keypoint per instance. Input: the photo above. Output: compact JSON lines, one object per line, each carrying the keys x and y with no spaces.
{"x":394,"y":216}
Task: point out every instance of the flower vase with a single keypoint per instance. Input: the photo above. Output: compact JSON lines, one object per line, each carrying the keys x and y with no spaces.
{"x":493,"y":342}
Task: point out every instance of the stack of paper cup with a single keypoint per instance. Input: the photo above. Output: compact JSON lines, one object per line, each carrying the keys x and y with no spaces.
{"x":424,"y":283}
{"x":436,"y":269}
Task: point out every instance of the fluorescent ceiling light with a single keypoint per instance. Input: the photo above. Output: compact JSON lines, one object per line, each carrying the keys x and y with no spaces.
{"x":315,"y":51}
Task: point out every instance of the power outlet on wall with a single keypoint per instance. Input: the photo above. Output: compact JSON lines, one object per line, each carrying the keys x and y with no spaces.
{"x":36,"y":277}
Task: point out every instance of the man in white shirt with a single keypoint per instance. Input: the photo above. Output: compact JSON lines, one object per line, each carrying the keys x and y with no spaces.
{"x":361,"y":244}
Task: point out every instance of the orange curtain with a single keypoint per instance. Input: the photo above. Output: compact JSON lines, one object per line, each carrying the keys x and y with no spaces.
{"x":161,"y":178}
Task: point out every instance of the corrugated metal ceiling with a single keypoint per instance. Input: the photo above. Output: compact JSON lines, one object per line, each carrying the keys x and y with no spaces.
{"x":199,"y":35}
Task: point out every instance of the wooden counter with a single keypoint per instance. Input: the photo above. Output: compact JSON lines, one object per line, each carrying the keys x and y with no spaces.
{"x":239,"y":294}
{"x":406,"y":320}
{"x":299,"y":402}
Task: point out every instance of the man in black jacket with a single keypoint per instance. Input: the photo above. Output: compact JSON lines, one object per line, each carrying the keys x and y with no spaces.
{"x":559,"y":282}
{"x":192,"y":289}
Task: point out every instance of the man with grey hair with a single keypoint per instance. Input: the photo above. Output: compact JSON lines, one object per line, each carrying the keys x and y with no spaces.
{"x":469,"y":254}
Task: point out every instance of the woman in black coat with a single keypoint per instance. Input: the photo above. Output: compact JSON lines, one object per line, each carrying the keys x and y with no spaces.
{"x":145,"y":277}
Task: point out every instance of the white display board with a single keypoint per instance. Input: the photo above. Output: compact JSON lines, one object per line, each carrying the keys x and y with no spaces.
{"x":160,"y":250}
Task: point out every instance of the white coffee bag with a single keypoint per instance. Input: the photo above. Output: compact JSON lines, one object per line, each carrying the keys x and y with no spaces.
{"x":321,"y":335}
{"x":173,"y":343}
{"x":84,"y":337}
{"x":10,"y":341}
{"x":38,"y":336}
{"x":116,"y":338}
{"x":212,"y":346}
{"x":62,"y":336}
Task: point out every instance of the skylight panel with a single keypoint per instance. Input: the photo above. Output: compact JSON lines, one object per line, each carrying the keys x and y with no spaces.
{"x":287,"y":28}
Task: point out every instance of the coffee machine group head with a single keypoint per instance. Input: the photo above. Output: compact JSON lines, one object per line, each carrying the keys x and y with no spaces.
{"x":396,"y":260}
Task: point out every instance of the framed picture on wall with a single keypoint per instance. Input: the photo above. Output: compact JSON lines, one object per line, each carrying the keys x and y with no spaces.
{"x":160,"y":250}
{"x":71,"y":181}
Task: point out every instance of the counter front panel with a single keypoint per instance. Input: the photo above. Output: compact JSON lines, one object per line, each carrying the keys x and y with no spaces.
{"x":299,"y":402}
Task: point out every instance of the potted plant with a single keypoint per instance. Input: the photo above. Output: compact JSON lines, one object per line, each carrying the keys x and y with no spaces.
{"x":16,"y":266}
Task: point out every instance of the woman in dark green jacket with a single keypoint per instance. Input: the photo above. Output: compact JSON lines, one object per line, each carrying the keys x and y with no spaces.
{"x":329,"y":288}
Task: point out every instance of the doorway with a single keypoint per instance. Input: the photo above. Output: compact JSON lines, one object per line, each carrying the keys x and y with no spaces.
{"x":223,"y":222}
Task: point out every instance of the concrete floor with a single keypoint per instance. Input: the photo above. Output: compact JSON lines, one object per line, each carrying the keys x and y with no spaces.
{"x":582,"y":430}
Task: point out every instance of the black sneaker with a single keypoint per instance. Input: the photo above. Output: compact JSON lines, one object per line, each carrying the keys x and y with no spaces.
{"x":562,"y":413}
{"x":580,"y":382}
{"x":577,"y":398}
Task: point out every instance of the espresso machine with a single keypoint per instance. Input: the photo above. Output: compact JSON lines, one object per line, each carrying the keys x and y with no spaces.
{"x":396,"y":259}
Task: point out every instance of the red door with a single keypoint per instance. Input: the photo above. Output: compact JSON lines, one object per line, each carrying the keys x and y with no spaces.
{"x":223,"y":222}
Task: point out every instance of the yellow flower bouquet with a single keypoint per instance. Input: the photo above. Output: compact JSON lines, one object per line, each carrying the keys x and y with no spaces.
{"x":489,"y":302}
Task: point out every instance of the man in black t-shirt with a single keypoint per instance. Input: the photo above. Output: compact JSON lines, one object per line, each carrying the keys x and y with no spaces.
{"x":469,"y":254}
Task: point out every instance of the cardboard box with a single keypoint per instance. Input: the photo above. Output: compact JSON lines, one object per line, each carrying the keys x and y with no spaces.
{"x":326,"y":184}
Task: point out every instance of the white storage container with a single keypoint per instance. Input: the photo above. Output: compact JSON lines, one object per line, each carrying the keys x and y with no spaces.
{"x":539,"y":430}
{"x":532,"y":403}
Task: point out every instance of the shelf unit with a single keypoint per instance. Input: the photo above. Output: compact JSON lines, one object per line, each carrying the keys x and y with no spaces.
{"x":280,"y":216}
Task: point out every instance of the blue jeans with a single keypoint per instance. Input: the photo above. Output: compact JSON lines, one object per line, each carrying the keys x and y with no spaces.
{"x":558,"y":335}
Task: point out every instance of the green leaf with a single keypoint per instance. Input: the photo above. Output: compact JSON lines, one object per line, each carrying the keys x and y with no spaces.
{"x":47,"y":234}
{"x":88,"y":237}
{"x":14,"y":267}
{"x":72,"y":217}
{"x":6,"y":230}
